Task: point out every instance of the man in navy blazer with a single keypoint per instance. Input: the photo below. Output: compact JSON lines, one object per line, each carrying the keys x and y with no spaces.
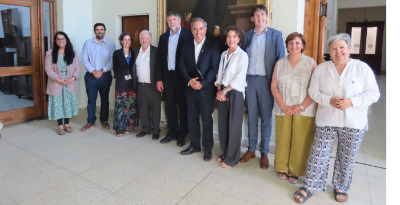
{"x":168,"y":79}
{"x":202,"y":54}
{"x":264,"y":45}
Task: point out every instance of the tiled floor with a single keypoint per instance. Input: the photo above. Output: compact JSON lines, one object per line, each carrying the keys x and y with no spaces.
{"x":37,"y":166}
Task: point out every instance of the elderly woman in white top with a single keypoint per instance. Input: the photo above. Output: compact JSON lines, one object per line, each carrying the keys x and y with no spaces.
{"x":231,"y":83}
{"x":294,"y":109}
{"x":343,"y":89}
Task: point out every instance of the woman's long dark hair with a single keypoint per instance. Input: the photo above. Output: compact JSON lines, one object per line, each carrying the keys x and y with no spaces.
{"x":69,"y":53}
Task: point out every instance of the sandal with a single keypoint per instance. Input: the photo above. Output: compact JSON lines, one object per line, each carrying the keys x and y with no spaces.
{"x":126,"y":132}
{"x":285,"y":176}
{"x":296,"y":179}
{"x":337,"y":193}
{"x":220,"y":158}
{"x":308,"y":192}
{"x":224,"y":165}
{"x":61,"y":131}
{"x":68,"y":128}
{"x":119,"y":135}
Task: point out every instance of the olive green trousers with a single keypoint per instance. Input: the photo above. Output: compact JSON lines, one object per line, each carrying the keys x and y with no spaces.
{"x":294,"y":140}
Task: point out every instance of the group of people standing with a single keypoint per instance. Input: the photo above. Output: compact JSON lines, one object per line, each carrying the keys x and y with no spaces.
{"x":192,"y":72}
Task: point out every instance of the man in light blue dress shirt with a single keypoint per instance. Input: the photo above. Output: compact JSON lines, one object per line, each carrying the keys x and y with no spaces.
{"x":264,"y":47}
{"x":97,"y":58}
{"x":169,"y":81}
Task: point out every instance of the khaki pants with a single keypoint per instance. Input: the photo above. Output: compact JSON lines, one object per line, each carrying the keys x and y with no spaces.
{"x":294,"y":140}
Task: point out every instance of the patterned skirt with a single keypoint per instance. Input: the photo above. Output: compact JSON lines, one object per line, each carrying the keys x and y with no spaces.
{"x":64,"y":105}
{"x":125,"y":111}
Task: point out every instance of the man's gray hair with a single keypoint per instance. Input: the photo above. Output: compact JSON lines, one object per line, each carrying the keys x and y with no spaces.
{"x":173,"y":13}
{"x":198,"y":19}
{"x":143,"y":32}
{"x":340,"y":36}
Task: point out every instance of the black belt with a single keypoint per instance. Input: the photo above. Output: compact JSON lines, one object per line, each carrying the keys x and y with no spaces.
{"x":144,"y":83}
{"x":98,"y":70}
{"x":172,"y":71}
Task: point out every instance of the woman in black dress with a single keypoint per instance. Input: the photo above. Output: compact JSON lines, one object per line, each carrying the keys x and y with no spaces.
{"x":125,"y":110}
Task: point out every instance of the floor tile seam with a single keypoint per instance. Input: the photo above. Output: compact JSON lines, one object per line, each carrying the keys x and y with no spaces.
{"x":8,"y":197}
{"x":365,"y":164}
{"x":198,"y":184}
{"x":46,"y":188}
{"x":95,"y":164}
{"x":25,"y":169}
{"x":136,"y":179}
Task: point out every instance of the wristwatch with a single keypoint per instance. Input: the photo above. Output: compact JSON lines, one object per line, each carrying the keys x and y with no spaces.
{"x":302,"y":108}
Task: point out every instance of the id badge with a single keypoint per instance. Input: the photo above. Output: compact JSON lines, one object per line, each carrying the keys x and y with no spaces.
{"x":128,"y":77}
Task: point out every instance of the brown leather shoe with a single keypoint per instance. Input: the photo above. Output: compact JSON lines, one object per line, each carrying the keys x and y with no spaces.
{"x":105,"y":125}
{"x":264,"y":163}
{"x":246,"y":157}
{"x":86,"y":127}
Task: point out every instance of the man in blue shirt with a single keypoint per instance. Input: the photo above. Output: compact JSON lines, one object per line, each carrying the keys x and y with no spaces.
{"x":264,"y":47}
{"x":169,"y":81}
{"x":97,"y":58}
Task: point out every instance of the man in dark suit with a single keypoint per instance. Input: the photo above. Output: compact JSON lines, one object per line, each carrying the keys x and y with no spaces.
{"x":168,"y":79}
{"x":213,"y":12}
{"x":264,"y":47}
{"x":148,"y":97}
{"x":203,"y":55}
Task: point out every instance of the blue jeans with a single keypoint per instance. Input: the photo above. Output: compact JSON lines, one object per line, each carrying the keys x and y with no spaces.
{"x":101,"y":85}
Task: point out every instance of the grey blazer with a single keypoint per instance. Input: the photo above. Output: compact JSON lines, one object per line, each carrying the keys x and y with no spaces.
{"x":274,"y":49}
{"x":153,"y":58}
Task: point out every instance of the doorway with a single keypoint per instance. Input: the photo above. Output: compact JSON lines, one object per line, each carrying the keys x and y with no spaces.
{"x":22,"y":47}
{"x":134,"y":25}
{"x":366,"y":42}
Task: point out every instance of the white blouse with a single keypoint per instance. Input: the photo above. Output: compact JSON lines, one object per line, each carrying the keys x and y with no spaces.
{"x":232,"y":71}
{"x":293,"y":84}
{"x":356,"y":82}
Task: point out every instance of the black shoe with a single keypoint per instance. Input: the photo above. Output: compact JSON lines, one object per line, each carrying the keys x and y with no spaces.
{"x":155,"y":137}
{"x":189,"y":150}
{"x":166,"y":139}
{"x":181,"y":142}
{"x":141,"y":134}
{"x":207,"y":155}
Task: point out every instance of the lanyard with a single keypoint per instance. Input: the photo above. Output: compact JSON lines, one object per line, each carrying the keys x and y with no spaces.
{"x":223,"y":63}
{"x":128,"y":59}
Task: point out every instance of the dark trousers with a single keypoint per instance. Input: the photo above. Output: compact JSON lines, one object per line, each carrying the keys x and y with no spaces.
{"x":102,"y":86}
{"x":175,"y":99}
{"x":204,"y":107}
{"x":149,"y":103}
{"x":230,"y":119}
{"x":259,"y":101}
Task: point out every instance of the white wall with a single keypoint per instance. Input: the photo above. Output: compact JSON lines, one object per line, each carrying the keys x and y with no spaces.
{"x":288,"y":16}
{"x":341,"y":4}
{"x":75,"y":19}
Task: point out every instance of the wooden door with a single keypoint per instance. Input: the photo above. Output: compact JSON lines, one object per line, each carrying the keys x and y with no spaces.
{"x":21,"y":96}
{"x":134,"y":25}
{"x":367,"y":41}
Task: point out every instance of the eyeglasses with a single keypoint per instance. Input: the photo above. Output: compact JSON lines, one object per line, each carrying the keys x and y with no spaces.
{"x":60,"y":39}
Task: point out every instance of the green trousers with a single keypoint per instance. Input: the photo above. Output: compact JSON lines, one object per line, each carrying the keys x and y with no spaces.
{"x":294,"y":140}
